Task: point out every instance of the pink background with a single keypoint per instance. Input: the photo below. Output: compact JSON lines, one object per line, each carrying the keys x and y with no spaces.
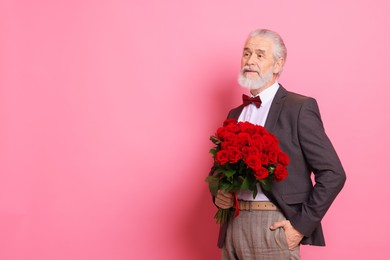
{"x":106,"y":108}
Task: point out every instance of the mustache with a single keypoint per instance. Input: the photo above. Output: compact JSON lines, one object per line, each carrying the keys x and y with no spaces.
{"x":250,"y":68}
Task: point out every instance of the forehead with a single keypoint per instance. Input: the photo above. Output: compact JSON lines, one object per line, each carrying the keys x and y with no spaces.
{"x":259,"y":43}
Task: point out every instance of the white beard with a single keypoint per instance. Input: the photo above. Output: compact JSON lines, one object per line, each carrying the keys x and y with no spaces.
{"x":252,"y":84}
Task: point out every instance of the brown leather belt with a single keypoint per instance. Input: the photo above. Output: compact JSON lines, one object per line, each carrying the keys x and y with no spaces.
{"x":257,"y":205}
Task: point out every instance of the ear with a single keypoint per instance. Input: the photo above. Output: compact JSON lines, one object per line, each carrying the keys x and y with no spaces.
{"x":278,"y":66}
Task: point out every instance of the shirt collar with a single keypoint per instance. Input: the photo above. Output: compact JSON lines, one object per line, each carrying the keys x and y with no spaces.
{"x":268,"y":94}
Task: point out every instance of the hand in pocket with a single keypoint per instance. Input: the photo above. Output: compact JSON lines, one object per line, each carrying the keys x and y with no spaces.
{"x":293,"y":236}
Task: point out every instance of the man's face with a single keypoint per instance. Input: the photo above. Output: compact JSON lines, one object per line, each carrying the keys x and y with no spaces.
{"x":258,"y":67}
{"x":258,"y":53}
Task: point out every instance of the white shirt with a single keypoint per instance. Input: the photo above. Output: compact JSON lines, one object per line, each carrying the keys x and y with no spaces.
{"x":258,"y":116}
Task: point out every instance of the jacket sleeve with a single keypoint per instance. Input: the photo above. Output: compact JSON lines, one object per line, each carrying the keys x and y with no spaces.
{"x":323,"y":161}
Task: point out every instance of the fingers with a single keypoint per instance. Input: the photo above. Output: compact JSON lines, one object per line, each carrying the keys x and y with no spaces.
{"x":278,"y":224}
{"x":293,"y":236}
{"x":224,"y":199}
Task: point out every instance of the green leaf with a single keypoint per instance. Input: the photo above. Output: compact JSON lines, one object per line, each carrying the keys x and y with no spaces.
{"x":211,"y":179}
{"x":215,"y":140}
{"x":245,"y":184}
{"x":213,"y":151}
{"x":255,"y":191}
{"x":225,"y":186}
{"x":227,"y":170}
{"x":237,"y":184}
{"x":230,"y":173}
{"x":217,"y":174}
{"x":252,"y":182}
{"x":266,"y":184}
{"x":213,"y":184}
{"x":223,"y":215}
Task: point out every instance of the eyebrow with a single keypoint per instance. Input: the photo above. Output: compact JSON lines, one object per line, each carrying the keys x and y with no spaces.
{"x":257,"y":50}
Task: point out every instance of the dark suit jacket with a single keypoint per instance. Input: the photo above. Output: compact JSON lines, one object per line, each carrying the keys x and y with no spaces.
{"x":295,"y":120}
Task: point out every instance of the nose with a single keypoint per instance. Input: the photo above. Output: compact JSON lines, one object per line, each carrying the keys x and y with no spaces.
{"x":251,"y":59}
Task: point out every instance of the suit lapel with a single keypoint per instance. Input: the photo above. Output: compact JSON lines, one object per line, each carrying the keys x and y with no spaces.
{"x":235,"y":113}
{"x":275,"y":109}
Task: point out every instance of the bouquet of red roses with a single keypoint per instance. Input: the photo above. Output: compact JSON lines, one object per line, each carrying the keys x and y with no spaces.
{"x":245,"y":155}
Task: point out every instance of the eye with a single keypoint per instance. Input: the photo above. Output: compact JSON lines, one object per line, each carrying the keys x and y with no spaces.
{"x":259,"y":55}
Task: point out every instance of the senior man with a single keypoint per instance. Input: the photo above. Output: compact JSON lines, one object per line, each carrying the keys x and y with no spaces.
{"x":273,"y":224}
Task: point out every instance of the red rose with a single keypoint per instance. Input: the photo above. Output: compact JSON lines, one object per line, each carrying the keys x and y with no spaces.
{"x":234,"y":154}
{"x":257,"y":143}
{"x":283,"y":158}
{"x":274,"y":139}
{"x":272,"y":157}
{"x":253,"y":162}
{"x":232,"y":128}
{"x":245,"y":151}
{"x":261,"y":131}
{"x":225,"y":145}
{"x":249,"y":151}
{"x":256,"y":136}
{"x":230,"y":121}
{"x":228,"y":136}
{"x":264,"y":159}
{"x":253,"y":151}
{"x":280,"y":172}
{"x":247,"y":127}
{"x":242,"y":139}
{"x":269,"y":143}
{"x":222,"y":157}
{"x":220,"y":132}
{"x":262,"y":173}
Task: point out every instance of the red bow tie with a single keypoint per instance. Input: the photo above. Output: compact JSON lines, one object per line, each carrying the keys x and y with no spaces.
{"x":247,"y":100}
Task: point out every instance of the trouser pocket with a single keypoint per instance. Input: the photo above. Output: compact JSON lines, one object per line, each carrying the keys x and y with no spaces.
{"x":280,"y":238}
